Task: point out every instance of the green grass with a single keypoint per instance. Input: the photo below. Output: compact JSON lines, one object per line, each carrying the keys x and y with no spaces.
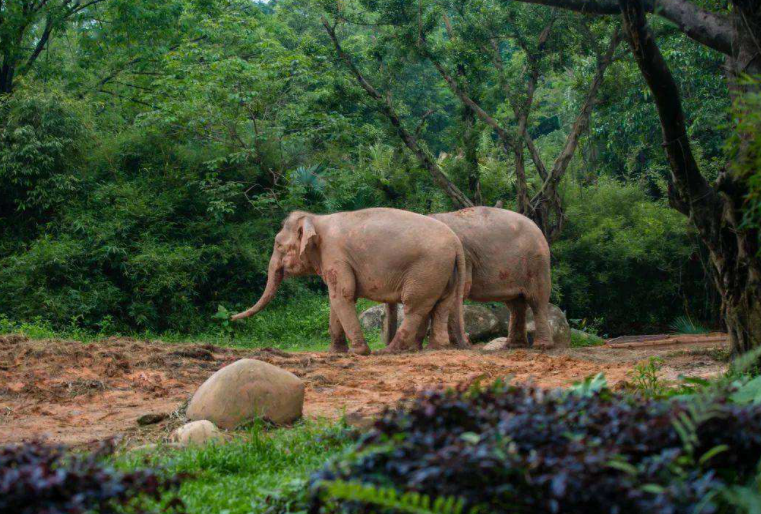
{"x":296,"y":324}
{"x":581,"y":339}
{"x":255,"y":468}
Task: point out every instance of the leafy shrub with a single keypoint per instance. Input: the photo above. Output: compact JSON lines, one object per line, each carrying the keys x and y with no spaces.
{"x":626,"y":259}
{"x":510,"y":449}
{"x":37,"y":478}
{"x":42,"y":137}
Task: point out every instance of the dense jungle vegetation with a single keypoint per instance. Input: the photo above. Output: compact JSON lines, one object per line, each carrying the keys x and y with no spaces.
{"x":150,"y":149}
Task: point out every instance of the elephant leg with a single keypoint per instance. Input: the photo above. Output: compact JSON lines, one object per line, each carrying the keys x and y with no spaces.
{"x":421,"y":333}
{"x":516,"y":334}
{"x":341,"y":286}
{"x":388,"y":331}
{"x":337,"y":335}
{"x":440,"y":339}
{"x":543,"y":334}
{"x":404,"y":340}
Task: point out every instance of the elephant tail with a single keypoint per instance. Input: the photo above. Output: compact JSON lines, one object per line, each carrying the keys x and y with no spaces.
{"x":458,"y":317}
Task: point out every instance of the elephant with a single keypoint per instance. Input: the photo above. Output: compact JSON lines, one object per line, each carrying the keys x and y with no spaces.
{"x":508,"y":260}
{"x":385,"y":255}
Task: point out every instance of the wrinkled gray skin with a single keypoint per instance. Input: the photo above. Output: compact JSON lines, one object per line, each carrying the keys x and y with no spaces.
{"x":385,"y":255}
{"x":507,"y":260}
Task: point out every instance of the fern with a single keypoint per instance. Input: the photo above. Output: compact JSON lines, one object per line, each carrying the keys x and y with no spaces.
{"x":388,"y":497}
{"x":699,"y":410}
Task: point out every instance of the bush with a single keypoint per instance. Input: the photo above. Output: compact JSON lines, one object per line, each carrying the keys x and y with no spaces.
{"x":510,"y":449}
{"x":627,"y":260}
{"x":37,"y":478}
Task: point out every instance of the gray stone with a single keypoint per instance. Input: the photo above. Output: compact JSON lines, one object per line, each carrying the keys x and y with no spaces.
{"x":561,"y":330}
{"x":152,"y":418}
{"x":245,"y":390}
{"x":494,"y":345}
{"x":480,"y":322}
{"x":372,"y":318}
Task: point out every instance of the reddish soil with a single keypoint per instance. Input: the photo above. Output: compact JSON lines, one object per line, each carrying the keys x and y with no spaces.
{"x":77,"y":393}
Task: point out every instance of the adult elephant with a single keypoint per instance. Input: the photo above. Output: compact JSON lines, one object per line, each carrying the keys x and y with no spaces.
{"x":507,"y":260}
{"x":385,"y":255}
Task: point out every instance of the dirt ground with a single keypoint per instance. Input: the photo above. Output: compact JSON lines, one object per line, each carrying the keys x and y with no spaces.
{"x":78,"y":393}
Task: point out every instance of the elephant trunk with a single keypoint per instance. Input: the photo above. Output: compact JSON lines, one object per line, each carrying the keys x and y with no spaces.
{"x":275,"y":276}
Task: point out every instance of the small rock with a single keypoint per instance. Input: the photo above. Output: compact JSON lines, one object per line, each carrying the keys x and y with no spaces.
{"x":152,"y":418}
{"x":245,"y":390}
{"x":497,"y":344}
{"x":196,"y":433}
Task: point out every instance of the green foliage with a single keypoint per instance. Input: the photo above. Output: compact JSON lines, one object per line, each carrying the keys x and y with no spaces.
{"x":591,"y":385}
{"x":625,"y":258}
{"x":581,"y":339}
{"x":749,"y":124}
{"x":43,"y":136}
{"x":258,"y":470}
{"x":685,"y":325}
{"x":645,"y":378}
{"x":389,"y":498}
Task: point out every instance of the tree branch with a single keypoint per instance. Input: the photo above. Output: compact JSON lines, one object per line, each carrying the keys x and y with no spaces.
{"x":533,"y":151}
{"x":387,"y":108}
{"x":39,"y":47}
{"x":707,"y":28}
{"x":580,"y":123}
{"x":503,"y":134}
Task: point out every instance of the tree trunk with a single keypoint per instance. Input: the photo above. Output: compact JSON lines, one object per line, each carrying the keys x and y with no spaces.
{"x":716,"y":213}
{"x":6,"y":79}
{"x":737,"y":258}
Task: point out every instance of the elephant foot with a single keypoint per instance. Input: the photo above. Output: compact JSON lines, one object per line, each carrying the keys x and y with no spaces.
{"x":360,"y":350}
{"x":439,"y":346}
{"x":543,"y":345}
{"x":338,"y":349}
{"x":464,"y":345}
{"x":518,"y":343}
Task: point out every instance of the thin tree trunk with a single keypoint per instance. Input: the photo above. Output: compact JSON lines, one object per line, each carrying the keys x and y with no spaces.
{"x":6,"y":79}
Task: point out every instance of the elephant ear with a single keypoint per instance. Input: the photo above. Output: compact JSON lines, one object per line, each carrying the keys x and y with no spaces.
{"x":309,"y":242}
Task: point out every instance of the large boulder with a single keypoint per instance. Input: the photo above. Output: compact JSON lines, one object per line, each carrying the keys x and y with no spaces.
{"x":245,"y":390}
{"x":196,"y":433}
{"x":480,"y":322}
{"x":561,"y":330}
